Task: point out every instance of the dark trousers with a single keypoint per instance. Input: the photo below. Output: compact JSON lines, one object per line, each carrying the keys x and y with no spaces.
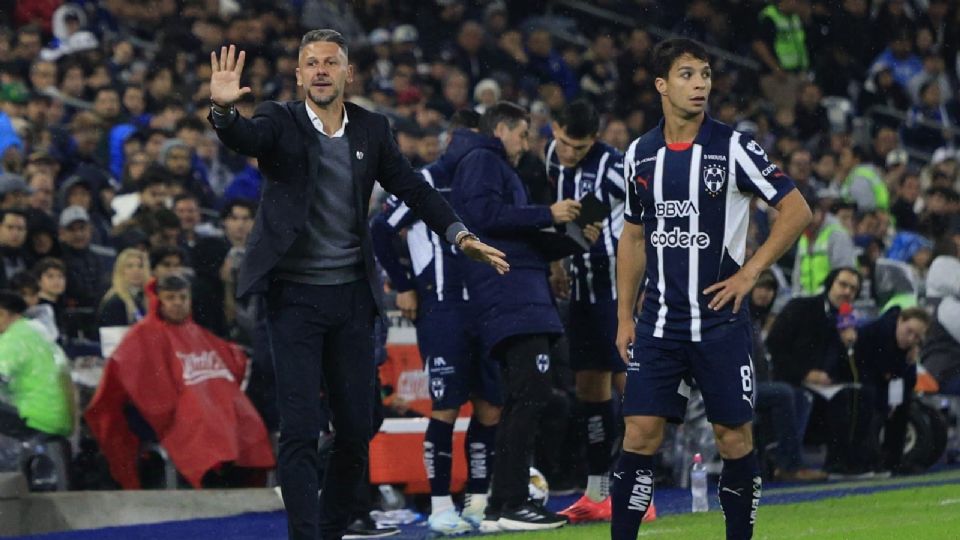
{"x":785,"y":409}
{"x":12,"y":425}
{"x":852,"y":446}
{"x":528,"y":385}
{"x":321,"y":338}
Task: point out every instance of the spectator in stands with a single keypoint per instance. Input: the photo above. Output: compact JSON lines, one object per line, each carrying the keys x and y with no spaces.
{"x":823,"y":246}
{"x":25,"y":284}
{"x":177,"y":160}
{"x":237,"y":217}
{"x":928,"y":123}
{"x":41,"y":184}
{"x":903,"y":209}
{"x":246,"y":184}
{"x":888,"y":348}
{"x":35,"y":374}
{"x":900,"y":58}
{"x":615,"y":134}
{"x":79,"y":191}
{"x":810,"y":116}
{"x":13,"y":235}
{"x":808,"y":352}
{"x":166,"y":260}
{"x":14,"y":192}
{"x":133,"y":169}
{"x":163,"y":229}
{"x":51,"y":276}
{"x":151,"y":195}
{"x":124,"y":304}
{"x":41,"y":238}
{"x":882,"y":90}
{"x":862,"y":182}
{"x":933,"y":71}
{"x":779,"y":405}
{"x":88,"y":265}
{"x":187,"y":209}
{"x":547,"y":64}
{"x":781,"y":46}
{"x":800,"y":168}
{"x":185,"y":384}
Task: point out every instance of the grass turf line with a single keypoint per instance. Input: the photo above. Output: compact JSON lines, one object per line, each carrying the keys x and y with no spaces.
{"x":931,"y":513}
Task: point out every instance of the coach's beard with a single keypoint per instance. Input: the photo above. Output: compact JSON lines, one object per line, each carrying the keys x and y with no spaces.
{"x":323,"y":102}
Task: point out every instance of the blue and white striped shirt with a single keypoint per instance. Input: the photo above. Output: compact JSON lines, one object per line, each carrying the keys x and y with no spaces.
{"x":436,"y":273}
{"x":599,"y":172}
{"x":694,"y":204}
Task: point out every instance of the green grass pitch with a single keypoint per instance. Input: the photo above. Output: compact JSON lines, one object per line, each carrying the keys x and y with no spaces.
{"x":928,"y":513}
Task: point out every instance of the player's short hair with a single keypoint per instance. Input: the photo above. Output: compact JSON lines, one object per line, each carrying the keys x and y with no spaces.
{"x":667,"y":52}
{"x":579,"y":119}
{"x":465,"y":118}
{"x":324,"y":34}
{"x":504,"y":111}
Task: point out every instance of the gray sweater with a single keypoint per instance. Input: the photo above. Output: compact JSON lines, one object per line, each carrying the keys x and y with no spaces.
{"x":327,"y":251}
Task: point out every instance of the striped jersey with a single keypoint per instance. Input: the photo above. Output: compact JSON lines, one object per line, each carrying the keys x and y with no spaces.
{"x":437,"y":276}
{"x":693,"y":201}
{"x":599,"y":172}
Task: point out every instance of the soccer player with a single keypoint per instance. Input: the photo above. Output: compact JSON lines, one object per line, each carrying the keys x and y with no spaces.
{"x":691,"y":180}
{"x":436,"y":300}
{"x":579,"y":165}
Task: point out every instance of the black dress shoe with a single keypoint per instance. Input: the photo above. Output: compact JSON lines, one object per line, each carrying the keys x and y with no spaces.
{"x":367,"y":528}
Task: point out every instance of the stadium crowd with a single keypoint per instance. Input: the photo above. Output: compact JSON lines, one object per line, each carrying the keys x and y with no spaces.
{"x":112,"y":175}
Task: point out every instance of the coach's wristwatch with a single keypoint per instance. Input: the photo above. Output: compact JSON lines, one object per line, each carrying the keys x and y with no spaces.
{"x":462,"y":236}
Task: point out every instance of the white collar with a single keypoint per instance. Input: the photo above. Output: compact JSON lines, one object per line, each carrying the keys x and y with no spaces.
{"x":318,"y":124}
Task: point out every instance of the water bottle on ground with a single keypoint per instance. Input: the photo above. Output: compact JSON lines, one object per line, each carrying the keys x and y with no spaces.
{"x":698,"y":485}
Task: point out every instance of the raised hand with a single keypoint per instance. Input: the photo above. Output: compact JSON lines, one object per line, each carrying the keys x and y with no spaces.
{"x":225,"y":81}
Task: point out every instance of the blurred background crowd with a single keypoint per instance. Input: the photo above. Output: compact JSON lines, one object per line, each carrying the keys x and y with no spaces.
{"x":111,"y":173}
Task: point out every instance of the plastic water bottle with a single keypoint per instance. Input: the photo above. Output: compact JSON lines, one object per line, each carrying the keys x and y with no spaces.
{"x":698,"y":485}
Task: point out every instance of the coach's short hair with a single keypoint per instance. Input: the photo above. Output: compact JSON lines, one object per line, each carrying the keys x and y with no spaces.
{"x":666,"y":53}
{"x":579,"y":119}
{"x":324,"y":34}
{"x":465,"y":119}
{"x":504,"y":111}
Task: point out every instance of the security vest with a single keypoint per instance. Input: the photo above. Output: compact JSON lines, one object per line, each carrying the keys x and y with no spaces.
{"x":815,"y":263}
{"x":790,"y":44}
{"x":880,"y":194}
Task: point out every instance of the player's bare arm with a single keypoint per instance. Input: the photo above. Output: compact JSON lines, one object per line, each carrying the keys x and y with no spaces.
{"x":792,"y":220}
{"x":631,"y":266}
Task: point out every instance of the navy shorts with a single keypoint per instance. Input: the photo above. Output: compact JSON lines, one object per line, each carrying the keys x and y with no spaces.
{"x":592,"y":333}
{"x":454,"y":359}
{"x":662,"y":371}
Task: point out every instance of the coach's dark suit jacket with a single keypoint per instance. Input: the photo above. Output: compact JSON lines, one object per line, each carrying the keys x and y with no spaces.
{"x":282,"y":138}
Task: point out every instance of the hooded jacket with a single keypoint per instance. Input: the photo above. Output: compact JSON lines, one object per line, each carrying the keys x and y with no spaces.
{"x":186,"y":383}
{"x":493,"y":202}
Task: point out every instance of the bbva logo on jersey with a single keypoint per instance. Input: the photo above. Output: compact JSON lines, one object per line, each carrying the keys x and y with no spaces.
{"x":714,"y":177}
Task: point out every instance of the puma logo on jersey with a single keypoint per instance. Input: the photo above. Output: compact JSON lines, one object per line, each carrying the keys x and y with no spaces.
{"x":642,"y":181}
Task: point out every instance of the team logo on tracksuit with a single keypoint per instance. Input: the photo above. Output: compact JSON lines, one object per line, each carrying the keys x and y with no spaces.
{"x":543,"y":362}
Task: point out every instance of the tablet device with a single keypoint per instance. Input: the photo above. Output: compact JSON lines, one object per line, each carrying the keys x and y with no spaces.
{"x":592,"y":210}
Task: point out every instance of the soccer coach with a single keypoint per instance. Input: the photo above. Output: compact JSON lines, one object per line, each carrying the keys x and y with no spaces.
{"x":310,"y":255}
